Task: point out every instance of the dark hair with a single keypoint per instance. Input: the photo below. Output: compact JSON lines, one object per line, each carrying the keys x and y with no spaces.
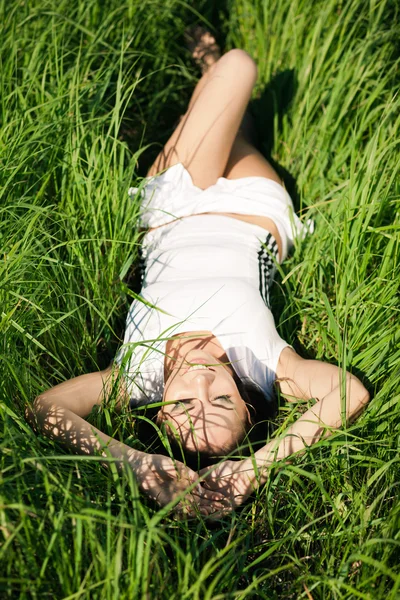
{"x":262,"y":411}
{"x":257,"y":429}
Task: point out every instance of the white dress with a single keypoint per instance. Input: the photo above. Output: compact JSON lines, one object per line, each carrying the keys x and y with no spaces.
{"x":206,"y":273}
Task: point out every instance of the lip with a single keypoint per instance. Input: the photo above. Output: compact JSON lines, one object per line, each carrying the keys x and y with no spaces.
{"x":199,"y":361}
{"x":193,"y":369}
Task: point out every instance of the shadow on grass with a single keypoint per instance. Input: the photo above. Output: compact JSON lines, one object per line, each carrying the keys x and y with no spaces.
{"x":271,"y":105}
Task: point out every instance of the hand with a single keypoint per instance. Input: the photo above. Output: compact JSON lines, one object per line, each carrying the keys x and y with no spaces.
{"x":236,"y":480}
{"x":163,"y":480}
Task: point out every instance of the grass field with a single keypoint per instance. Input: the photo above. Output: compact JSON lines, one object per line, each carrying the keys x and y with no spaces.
{"x":89,"y":91}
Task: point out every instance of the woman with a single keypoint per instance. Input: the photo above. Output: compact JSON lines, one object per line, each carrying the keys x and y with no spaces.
{"x":218,"y":219}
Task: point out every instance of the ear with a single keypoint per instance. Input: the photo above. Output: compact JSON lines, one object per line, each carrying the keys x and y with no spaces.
{"x":251,"y":412}
{"x":160,"y":417}
{"x":248,"y":415}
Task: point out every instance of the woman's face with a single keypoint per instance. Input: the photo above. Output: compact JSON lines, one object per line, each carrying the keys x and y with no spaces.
{"x":206,"y":410}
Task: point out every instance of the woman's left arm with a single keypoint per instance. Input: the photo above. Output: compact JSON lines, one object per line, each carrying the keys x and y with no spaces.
{"x":340,"y":397}
{"x":298,"y":378}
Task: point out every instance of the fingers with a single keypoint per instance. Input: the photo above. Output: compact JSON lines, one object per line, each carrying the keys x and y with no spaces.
{"x":210,"y":504}
{"x":210,"y":486}
{"x":208,"y":494}
{"x":195,"y":510}
{"x":207,"y":470}
{"x":204,"y":503}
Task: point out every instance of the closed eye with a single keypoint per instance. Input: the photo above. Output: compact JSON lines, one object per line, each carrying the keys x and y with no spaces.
{"x":187,"y":404}
{"x":183,"y":405}
{"x":224,"y":401}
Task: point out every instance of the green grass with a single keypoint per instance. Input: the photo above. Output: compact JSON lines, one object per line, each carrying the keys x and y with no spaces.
{"x":88,"y":90}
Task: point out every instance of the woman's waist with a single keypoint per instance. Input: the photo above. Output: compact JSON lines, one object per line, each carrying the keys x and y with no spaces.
{"x":210,"y":229}
{"x":186,"y":264}
{"x":251,"y":225}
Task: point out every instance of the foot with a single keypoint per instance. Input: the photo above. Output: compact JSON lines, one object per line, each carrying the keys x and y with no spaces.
{"x":203,"y":46}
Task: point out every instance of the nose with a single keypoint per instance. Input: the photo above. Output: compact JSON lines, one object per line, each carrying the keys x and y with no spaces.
{"x":202,"y":382}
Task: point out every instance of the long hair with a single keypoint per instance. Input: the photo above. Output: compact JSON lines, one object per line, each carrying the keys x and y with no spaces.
{"x":262,"y":412}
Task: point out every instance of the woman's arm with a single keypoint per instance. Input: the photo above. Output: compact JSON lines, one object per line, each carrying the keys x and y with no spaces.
{"x":299,"y":379}
{"x":58,"y":413}
{"x":340,"y":398}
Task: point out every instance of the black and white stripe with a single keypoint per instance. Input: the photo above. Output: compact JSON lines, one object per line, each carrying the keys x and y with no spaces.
{"x":267,"y":256}
{"x":141,"y":265}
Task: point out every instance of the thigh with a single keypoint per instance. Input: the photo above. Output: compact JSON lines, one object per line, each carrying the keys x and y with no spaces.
{"x":246,"y":161}
{"x":204,"y":137}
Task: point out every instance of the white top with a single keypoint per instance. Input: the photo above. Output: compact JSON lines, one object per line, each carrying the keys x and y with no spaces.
{"x":203,"y":273}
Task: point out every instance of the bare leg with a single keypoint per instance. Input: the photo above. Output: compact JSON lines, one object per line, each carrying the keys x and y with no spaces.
{"x":246,"y":161}
{"x":204,"y":138}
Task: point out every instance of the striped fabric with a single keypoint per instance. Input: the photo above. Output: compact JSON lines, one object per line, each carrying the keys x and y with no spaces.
{"x":267,"y":256}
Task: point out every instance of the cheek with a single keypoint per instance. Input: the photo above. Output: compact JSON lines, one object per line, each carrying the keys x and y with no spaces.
{"x":171,"y":390}
{"x":180,"y":429}
{"x":173,"y":422}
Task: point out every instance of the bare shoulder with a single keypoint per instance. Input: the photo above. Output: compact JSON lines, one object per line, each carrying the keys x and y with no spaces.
{"x":288,"y":361}
{"x":301,"y":378}
{"x":290,"y":364}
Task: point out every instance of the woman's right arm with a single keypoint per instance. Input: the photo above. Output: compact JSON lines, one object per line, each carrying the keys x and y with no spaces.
{"x":59,"y":414}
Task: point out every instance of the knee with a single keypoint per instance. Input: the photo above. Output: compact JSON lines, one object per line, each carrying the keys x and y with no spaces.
{"x":242,"y":63}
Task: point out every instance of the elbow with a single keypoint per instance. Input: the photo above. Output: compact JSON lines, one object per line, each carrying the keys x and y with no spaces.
{"x":365,"y":397}
{"x":361,"y":398}
{"x":35,"y":412}
{"x":39,"y":404}
{"x":361,"y":392}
